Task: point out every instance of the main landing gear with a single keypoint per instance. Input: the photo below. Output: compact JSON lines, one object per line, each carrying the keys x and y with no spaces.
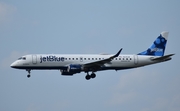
{"x":29,"y":71}
{"x":93,"y":75}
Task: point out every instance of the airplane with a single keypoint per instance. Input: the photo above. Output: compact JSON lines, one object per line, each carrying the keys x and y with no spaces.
{"x":70,"y":64}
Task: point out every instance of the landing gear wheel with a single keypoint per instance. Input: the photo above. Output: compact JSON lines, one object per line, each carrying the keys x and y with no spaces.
{"x":28,"y":75}
{"x":93,"y":75}
{"x":88,"y":77}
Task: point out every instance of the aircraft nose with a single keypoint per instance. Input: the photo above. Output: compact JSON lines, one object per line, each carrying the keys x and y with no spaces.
{"x":13,"y":65}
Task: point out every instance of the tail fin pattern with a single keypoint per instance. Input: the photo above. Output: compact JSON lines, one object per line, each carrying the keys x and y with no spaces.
{"x":158,"y":47}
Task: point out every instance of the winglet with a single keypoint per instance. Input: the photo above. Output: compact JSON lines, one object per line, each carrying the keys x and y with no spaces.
{"x":117,"y":54}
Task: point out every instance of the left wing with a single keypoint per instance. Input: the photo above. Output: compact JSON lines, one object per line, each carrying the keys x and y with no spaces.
{"x":101,"y":62}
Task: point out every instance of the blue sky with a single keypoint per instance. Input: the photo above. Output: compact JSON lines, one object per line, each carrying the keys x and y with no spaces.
{"x":69,"y":27}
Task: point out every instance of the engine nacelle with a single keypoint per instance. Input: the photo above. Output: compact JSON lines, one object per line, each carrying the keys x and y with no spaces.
{"x":72,"y":69}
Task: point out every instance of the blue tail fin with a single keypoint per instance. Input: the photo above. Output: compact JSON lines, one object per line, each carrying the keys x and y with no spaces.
{"x":158,"y":46}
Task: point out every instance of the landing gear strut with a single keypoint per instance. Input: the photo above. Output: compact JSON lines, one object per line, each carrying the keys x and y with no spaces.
{"x":93,"y":75}
{"x":29,"y":71}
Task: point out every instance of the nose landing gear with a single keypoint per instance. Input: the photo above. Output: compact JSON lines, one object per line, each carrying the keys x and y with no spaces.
{"x":29,"y":71}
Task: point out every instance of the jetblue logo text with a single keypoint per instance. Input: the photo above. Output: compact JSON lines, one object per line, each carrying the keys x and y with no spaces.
{"x":51,"y":58}
{"x":156,"y":50}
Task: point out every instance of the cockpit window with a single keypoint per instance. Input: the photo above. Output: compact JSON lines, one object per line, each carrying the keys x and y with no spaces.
{"x":22,"y":58}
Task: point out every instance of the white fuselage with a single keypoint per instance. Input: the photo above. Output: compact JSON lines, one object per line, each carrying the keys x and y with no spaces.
{"x":61,"y":61}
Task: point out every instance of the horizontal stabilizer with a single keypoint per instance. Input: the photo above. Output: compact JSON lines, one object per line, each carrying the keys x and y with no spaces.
{"x":166,"y":57}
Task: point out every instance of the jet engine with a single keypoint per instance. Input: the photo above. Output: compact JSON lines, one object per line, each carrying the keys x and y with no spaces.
{"x":72,"y":69}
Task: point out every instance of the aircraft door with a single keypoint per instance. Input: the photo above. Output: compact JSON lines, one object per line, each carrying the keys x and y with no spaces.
{"x":135,"y":59}
{"x":34,"y":59}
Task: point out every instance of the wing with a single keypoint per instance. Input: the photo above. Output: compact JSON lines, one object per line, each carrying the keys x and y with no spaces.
{"x":100,"y":63}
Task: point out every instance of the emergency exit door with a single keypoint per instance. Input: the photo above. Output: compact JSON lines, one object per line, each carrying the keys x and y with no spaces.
{"x":34,"y":59}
